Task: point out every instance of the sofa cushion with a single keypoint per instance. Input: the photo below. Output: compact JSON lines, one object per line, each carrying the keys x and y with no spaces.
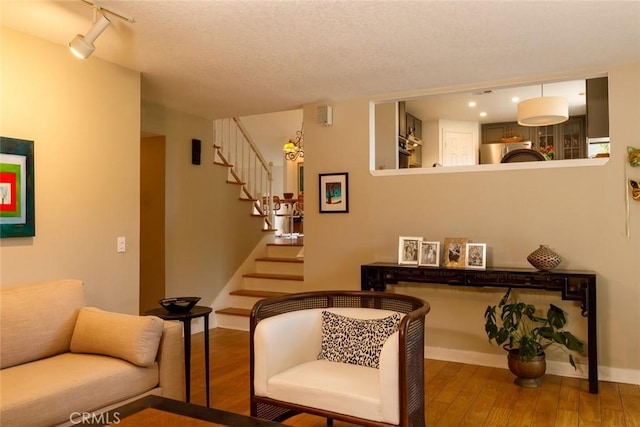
{"x":132,"y":338}
{"x":355,"y":341}
{"x":37,"y":320}
{"x":49,"y":391}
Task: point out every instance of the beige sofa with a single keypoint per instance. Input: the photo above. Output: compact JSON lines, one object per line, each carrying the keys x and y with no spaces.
{"x":62,"y":361}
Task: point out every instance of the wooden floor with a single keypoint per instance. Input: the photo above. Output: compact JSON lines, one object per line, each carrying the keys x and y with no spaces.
{"x":456,"y":394}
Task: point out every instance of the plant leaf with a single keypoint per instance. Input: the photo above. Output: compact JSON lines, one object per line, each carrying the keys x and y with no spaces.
{"x":556,"y":317}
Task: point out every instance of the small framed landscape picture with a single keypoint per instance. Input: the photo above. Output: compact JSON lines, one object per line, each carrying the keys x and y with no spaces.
{"x":408,"y":250}
{"x":454,"y":252}
{"x":476,"y":256}
{"x":429,"y":254}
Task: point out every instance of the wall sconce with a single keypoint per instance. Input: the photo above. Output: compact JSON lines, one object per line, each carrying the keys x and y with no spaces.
{"x":82,"y":46}
{"x":543,"y":111}
{"x":294,"y":148}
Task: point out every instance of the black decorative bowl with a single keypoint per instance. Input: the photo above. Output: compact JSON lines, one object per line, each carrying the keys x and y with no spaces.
{"x":179,"y":304}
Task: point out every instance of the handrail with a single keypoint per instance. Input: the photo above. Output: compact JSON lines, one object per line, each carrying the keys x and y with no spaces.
{"x":235,"y":149}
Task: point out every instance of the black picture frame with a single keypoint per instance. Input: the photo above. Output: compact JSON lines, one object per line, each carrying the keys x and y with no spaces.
{"x":17,"y":188}
{"x":333,"y":192}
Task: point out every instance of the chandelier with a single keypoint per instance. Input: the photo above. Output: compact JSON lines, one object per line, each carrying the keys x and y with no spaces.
{"x":294,"y":147}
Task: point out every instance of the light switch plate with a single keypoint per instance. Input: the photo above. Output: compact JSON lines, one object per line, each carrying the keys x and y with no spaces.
{"x":122,"y":244}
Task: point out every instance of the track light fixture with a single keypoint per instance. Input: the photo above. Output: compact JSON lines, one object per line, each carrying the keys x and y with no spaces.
{"x":82,"y":46}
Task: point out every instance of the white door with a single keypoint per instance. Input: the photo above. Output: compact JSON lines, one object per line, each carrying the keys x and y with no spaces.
{"x":458,"y":148}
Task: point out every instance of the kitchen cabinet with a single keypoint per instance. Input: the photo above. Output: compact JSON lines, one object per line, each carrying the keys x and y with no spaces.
{"x":562,"y":141}
{"x":598,"y":107}
{"x":492,"y":132}
{"x":414,"y":144}
{"x":402,"y":119}
{"x":573,"y":140}
{"x":414,"y":126}
{"x":409,"y":139}
{"x":568,"y":139}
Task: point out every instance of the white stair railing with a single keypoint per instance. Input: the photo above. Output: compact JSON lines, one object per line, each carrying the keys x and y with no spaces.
{"x":235,"y":149}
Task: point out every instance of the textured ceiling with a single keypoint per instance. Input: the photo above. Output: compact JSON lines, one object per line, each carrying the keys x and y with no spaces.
{"x":235,"y":58}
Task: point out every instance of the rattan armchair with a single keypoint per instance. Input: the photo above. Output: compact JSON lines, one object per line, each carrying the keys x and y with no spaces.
{"x":274,"y":353}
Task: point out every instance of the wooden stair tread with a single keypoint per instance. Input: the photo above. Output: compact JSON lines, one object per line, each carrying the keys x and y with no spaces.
{"x":232,"y":311}
{"x":279,"y":259}
{"x":275,"y":276}
{"x":286,"y":244}
{"x":258,"y":294}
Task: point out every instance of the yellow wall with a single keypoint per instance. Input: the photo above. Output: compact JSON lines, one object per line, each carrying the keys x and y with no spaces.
{"x":579,"y":212}
{"x":84,"y":119}
{"x":209,"y":231}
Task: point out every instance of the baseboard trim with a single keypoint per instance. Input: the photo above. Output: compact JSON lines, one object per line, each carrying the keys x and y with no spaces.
{"x":605,"y":373}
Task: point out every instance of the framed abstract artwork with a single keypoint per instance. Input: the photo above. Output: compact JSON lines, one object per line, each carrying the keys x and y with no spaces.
{"x":17,"y":210}
{"x":334,"y":192}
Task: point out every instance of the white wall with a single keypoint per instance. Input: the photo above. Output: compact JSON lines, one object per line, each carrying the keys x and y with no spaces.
{"x":580,"y":212}
{"x":84,"y":119}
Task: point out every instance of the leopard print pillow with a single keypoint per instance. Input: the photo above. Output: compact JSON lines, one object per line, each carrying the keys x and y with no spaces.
{"x":355,"y":341}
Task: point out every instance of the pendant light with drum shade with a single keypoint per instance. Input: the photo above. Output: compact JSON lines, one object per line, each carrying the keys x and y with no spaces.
{"x":543,"y":111}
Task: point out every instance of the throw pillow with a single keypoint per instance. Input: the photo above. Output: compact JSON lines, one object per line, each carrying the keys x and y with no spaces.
{"x":132,"y":338}
{"x":355,"y":341}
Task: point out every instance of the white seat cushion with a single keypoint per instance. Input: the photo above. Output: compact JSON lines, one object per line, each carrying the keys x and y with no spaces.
{"x":332,"y":386}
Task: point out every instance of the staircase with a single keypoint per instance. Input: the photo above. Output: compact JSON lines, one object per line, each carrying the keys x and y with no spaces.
{"x":278,"y":273}
{"x":247,"y":168}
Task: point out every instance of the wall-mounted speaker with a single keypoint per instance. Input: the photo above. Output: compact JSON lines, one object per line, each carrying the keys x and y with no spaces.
{"x":196,"y":146}
{"x":325,"y":115}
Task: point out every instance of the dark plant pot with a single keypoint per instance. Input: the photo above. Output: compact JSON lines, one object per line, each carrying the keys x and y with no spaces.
{"x":528,"y":372}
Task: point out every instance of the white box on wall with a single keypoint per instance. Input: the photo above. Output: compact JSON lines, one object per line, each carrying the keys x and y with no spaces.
{"x":325,"y":115}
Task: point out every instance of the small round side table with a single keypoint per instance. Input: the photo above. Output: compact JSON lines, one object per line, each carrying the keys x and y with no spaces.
{"x":185,"y":318}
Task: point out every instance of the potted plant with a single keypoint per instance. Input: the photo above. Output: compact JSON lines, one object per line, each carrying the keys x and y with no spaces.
{"x":525,"y":336}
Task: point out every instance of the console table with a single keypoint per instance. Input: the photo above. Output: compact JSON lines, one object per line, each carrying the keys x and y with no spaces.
{"x":573,"y":286}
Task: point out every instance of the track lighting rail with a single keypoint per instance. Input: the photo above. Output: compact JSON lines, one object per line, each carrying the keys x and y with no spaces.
{"x":100,"y":7}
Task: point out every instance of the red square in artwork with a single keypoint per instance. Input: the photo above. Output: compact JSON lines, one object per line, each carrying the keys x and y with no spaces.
{"x":8,"y":196}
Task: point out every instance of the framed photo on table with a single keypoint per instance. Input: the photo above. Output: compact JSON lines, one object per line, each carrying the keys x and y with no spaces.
{"x":429,"y":254}
{"x":408,"y":250}
{"x":17,"y":212}
{"x":334,"y":192}
{"x":476,"y":256}
{"x":454,"y":252}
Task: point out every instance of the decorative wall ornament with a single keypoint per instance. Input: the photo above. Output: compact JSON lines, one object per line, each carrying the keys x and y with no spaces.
{"x":635,"y":189}
{"x":634,"y":156}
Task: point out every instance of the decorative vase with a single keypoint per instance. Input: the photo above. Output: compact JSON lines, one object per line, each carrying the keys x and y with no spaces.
{"x":544,"y":258}
{"x":528,"y":372}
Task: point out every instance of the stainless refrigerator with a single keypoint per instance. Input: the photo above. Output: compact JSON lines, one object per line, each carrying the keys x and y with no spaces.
{"x":493,"y":153}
